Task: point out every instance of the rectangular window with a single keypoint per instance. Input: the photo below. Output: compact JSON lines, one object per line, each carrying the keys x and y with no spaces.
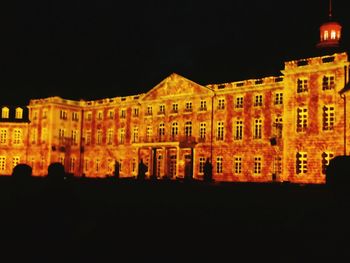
{"x":149,"y":133}
{"x":63,"y":115}
{"x":17,"y":136}
{"x":99,"y":137}
{"x":110,"y":133}
{"x":89,"y":116}
{"x":201,"y":164}
{"x":188,"y":129}
{"x":257,"y":130}
{"x":15,"y":161}
{"x":328,"y":83}
{"x":149,"y":111}
{"x":258,"y":100}
{"x":74,"y":137}
{"x":202,"y":130}
{"x":86,"y":164}
{"x":34,"y":135}
{"x":99,"y":115}
{"x":175,"y":108}
{"x":136,"y":112}
{"x":221,"y":104}
{"x":88,"y":137}
{"x":5,"y":113}
{"x":61,"y":135}
{"x":44,"y":135}
{"x":72,"y":164}
{"x":2,"y":163}
{"x":220,"y":131}
{"x":161,"y":109}
{"x":203,"y":106}
{"x":257,"y":165}
{"x":45,"y":114}
{"x":3,"y":136}
{"x":19,"y":113}
{"x":122,"y":136}
{"x":238,"y":135}
{"x":279,"y":98}
{"x":302,"y":119}
{"x":219,"y":167}
{"x":328,"y":117}
{"x":188,"y":106}
{"x":326,"y":157}
{"x":133,"y":166}
{"x":174,"y":129}
{"x":111,"y":114}
{"x":161,"y":131}
{"x":301,"y":163}
{"x":135,"y":134}
{"x":75,"y":116}
{"x":238,"y":165}
{"x":97,"y":165}
{"x":239,"y":102}
{"x":278,"y":127}
{"x":302,"y":85}
{"x":122,"y":113}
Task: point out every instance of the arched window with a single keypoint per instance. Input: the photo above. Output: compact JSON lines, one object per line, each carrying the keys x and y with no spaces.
{"x":325,"y":35}
{"x":333,"y":34}
{"x":5,"y":113}
{"x":19,"y":113}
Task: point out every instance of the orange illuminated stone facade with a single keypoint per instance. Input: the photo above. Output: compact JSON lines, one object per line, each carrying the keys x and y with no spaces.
{"x":278,"y":128}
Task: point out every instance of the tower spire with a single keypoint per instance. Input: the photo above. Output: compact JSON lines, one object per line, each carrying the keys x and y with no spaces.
{"x":330,"y":9}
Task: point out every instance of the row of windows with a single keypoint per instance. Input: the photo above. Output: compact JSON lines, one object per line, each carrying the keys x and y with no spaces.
{"x":17,"y":136}
{"x":301,"y":164}
{"x":328,"y":118}
{"x":3,"y":162}
{"x":5,"y":113}
{"x":328,"y":83}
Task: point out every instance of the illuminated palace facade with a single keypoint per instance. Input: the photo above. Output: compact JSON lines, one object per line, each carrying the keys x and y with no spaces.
{"x":283,"y":128}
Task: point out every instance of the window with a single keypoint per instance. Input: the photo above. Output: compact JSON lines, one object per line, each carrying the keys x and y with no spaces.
{"x":301,"y":163}
{"x":149,"y":133}
{"x":325,"y":35}
{"x":3,"y":136}
{"x":122,"y":135}
{"x":34,"y":135}
{"x":99,"y":136}
{"x":5,"y":113}
{"x":122,"y":113}
{"x":188,"y":106}
{"x":97,"y":165}
{"x":333,"y":34}
{"x":62,"y":159}
{"x":135,"y":134}
{"x":17,"y":136}
{"x":238,"y":165}
{"x":88,"y":137}
{"x":133,"y":166}
{"x":220,"y":131}
{"x":89,"y":116}
{"x":203,"y":105}
{"x":100,"y":115}
{"x":44,"y":113}
{"x":72,"y":164}
{"x":161,"y":109}
{"x":149,"y":110}
{"x":86,"y":164}
{"x":279,"y":98}
{"x":2,"y":163}
{"x":111,"y":114}
{"x":302,"y":117}
{"x":75,"y":116}
{"x":326,"y":157}
{"x":328,"y":118}
{"x":188,"y":129}
{"x":136,"y":112}
{"x":174,"y":129}
{"x":43,"y":135}
{"x":302,"y":85}
{"x":74,"y":137}
{"x":63,"y":115}
{"x":110,"y":133}
{"x":15,"y":161}
{"x":278,"y":126}
{"x":257,"y":165}
{"x":219,"y":160}
{"x":175,"y":108}
{"x":201,"y":164}
{"x":278,"y":165}
{"x":19,"y":113}
{"x":221,"y":104}
{"x":202,"y":130}
{"x":238,"y":130}
{"x":239,"y":102}
{"x":258,"y":100}
{"x":61,"y":135}
{"x":161,"y":130}
{"x":110,"y":166}
{"x":257,"y":134}
{"x":328,"y":83}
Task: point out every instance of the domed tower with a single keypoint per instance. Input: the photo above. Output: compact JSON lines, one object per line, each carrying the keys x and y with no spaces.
{"x":330,"y":32}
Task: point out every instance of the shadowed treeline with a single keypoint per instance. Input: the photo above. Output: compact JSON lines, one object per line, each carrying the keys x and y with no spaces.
{"x":171,"y":221}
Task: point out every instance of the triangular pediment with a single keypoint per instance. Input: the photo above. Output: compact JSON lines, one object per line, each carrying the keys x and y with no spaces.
{"x":175,"y":85}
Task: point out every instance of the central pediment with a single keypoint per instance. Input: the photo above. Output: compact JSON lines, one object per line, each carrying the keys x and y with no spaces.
{"x":175,"y":85}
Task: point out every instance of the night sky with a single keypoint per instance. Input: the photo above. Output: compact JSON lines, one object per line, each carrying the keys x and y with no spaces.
{"x":94,"y":49}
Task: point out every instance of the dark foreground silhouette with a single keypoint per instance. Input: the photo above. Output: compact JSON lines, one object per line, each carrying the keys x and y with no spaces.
{"x":87,"y":220}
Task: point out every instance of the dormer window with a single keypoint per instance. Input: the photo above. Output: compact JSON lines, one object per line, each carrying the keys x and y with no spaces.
{"x":19,"y":113}
{"x":5,"y":113}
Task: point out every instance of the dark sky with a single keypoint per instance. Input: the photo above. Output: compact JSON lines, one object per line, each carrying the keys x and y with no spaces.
{"x":94,"y":49}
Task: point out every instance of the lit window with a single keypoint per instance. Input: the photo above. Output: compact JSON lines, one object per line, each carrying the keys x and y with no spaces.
{"x":74,"y":137}
{"x":238,"y":165}
{"x":302,"y":85}
{"x":99,"y":136}
{"x":15,"y":161}
{"x":5,"y":113}
{"x":43,"y":135}
{"x":203,"y":105}
{"x":220,"y":131}
{"x":174,"y":129}
{"x":258,"y":101}
{"x":136,"y":112}
{"x":135,"y":134}
{"x":175,"y":108}
{"x":89,"y":116}
{"x":149,"y":110}
{"x":201,"y":165}
{"x":75,"y":116}
{"x":3,"y":136}
{"x":326,"y":157}
{"x":188,"y":129}
{"x":19,"y":113}
{"x":325,"y":35}
{"x":257,"y":131}
{"x":202,"y":130}
{"x":17,"y":136}
{"x":277,"y":127}
{"x":239,"y":102}
{"x":301,"y":163}
{"x":61,"y":135}
{"x":88,"y":137}
{"x":63,"y":115}
{"x":328,"y":83}
{"x":238,"y":130}
{"x":111,"y":114}
{"x":333,"y":34}
{"x":161,"y":109}
{"x":279,"y":98}
{"x":219,"y":167}
{"x":302,"y":119}
{"x":62,"y":159}
{"x":122,"y":113}
{"x":99,"y":115}
{"x":86,"y":164}
{"x":110,"y":133}
{"x":161,"y":131}
{"x":188,"y":106}
{"x":257,"y":165}
{"x":149,"y":133}
{"x":97,"y":165}
{"x":122,"y":135}
{"x":2,"y":163}
{"x":72,"y":165}
{"x":34,"y":135}
{"x":328,"y":118}
{"x":221,"y":104}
